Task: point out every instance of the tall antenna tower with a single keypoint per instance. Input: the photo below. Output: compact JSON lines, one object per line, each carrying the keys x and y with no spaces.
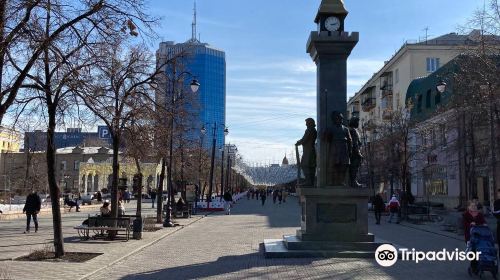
{"x":193,"y":25}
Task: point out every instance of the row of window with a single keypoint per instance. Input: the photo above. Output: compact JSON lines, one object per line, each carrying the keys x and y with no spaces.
{"x":428,"y":100}
{"x":435,"y":137}
{"x":63,"y":166}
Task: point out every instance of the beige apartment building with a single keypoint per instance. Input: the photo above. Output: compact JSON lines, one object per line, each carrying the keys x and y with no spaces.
{"x":385,"y":91}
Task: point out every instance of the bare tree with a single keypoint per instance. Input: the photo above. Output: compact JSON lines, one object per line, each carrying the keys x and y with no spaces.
{"x":115,"y":91}
{"x":58,"y":48}
{"x":21,"y":45}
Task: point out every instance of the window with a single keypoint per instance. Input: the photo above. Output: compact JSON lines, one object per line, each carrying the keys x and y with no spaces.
{"x":419,"y":103}
{"x":63,"y":165}
{"x":396,"y":76}
{"x":437,"y":98}
{"x":428,"y":99}
{"x":443,"y":134}
{"x":76,"y":165}
{"x":432,"y":64}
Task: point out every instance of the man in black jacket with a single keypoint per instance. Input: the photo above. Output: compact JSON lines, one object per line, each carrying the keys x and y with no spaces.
{"x":32,"y":208}
{"x":378,"y":207}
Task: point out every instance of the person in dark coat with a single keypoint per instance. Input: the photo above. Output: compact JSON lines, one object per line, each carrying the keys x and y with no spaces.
{"x":228,"y":199}
{"x":263,"y":197}
{"x":308,"y":161}
{"x":99,"y":196}
{"x":378,"y":207}
{"x":32,"y":208}
{"x":71,"y":204}
{"x":153,"y":197}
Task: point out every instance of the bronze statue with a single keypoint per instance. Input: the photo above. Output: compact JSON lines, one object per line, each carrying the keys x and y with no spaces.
{"x":356,"y":156}
{"x":308,"y":162}
{"x":339,"y":151}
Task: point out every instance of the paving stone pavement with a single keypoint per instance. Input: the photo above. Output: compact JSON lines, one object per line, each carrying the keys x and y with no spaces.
{"x":229,"y":247}
{"x":13,"y":244}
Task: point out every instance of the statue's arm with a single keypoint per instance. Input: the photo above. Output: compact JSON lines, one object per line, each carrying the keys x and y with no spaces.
{"x":349,"y":141}
{"x":309,"y":136}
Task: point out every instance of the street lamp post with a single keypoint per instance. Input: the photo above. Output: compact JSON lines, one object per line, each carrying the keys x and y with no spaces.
{"x":211,"y":183}
{"x":222,"y":174}
{"x":228,"y":173}
{"x":195,"y":85}
{"x":202,"y":135}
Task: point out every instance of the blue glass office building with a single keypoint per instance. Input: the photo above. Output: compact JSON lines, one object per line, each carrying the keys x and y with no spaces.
{"x":208,"y":65}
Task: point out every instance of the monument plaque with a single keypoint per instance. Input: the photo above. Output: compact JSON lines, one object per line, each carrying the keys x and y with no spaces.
{"x":335,"y":213}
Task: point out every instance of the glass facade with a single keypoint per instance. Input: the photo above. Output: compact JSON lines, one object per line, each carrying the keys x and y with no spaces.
{"x":208,"y":66}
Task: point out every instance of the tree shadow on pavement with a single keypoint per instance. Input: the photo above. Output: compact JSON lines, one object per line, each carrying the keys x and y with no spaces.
{"x":223,"y":265}
{"x":278,"y":215}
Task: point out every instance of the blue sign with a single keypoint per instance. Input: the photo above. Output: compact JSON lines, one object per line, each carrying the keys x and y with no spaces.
{"x":103,"y":132}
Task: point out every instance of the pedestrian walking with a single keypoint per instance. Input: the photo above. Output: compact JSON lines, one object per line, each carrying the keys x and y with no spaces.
{"x":472,"y":217}
{"x":263,"y":197}
{"x":378,"y":207}
{"x":99,"y":196}
{"x":248,"y":195}
{"x":496,"y":213}
{"x":153,"y":197}
{"x":280,"y":196}
{"x":32,"y":208}
{"x":285,"y":195}
{"x":71,"y":204}
{"x":121,"y":208}
{"x":228,"y":199}
{"x":275,"y":195}
{"x":126,"y":196}
{"x":394,"y":209}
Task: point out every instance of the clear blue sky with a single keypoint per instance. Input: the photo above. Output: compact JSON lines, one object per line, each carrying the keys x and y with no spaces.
{"x":271,"y":79}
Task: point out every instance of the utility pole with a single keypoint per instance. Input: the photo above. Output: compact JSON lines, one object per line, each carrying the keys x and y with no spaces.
{"x":222,"y":173}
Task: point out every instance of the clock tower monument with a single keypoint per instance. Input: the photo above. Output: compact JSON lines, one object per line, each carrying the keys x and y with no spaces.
{"x":329,"y":48}
{"x":334,"y":218}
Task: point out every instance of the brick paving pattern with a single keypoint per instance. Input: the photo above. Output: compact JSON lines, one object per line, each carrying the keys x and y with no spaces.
{"x":226,"y":247}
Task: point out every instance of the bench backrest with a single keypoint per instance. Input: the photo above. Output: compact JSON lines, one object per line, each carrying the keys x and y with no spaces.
{"x":109,"y":222}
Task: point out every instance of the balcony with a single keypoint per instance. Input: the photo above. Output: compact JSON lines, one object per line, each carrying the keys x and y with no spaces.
{"x":368,"y":104}
{"x":387,"y":114}
{"x":355,"y":108}
{"x":368,"y":126}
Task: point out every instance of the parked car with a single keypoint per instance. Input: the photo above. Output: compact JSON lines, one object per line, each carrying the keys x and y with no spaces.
{"x":87,"y":199}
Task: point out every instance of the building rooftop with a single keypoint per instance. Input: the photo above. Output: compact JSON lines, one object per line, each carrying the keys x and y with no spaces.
{"x":85,"y":150}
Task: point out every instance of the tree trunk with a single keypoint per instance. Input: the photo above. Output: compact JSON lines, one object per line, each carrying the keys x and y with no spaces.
{"x":138,"y":211}
{"x":159,"y":207}
{"x":116,"y":169}
{"x":53,"y":188}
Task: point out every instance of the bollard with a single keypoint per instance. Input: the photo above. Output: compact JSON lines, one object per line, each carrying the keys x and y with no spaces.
{"x":137,"y":228}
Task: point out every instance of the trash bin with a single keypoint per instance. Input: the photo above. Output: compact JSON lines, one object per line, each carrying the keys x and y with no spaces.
{"x":137,"y":228}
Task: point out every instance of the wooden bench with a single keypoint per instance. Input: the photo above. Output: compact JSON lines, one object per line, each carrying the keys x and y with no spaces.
{"x":185,"y":212}
{"x":99,"y":225}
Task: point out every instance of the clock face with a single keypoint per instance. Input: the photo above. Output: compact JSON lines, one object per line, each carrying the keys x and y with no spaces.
{"x":332,"y":24}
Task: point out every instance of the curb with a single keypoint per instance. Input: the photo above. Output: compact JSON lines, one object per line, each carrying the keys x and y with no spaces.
{"x":142,"y":248}
{"x":44,"y":212}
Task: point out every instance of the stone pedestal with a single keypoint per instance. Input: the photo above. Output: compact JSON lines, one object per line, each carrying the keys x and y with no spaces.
{"x":334,"y":223}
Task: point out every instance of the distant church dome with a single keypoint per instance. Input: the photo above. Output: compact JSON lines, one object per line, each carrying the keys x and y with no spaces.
{"x":285,"y":161}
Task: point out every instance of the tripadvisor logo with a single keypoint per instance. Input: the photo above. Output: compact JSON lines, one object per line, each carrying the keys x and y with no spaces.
{"x":387,"y":255}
